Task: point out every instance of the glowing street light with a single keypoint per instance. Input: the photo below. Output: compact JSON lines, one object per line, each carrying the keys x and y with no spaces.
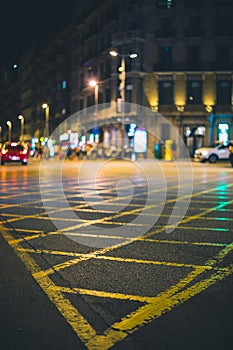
{"x":21,"y":118}
{"x":122,"y":71}
{"x":93,"y":83}
{"x":9,"y":123}
{"x":46,"y":107}
{"x":122,"y":77}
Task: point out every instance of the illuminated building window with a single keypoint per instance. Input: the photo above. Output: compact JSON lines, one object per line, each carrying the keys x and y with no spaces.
{"x":223,"y":132}
{"x":166,"y":4}
{"x":63,"y":84}
{"x":194,"y":92}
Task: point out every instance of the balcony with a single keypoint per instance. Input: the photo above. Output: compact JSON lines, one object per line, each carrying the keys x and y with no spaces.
{"x":127,"y":37}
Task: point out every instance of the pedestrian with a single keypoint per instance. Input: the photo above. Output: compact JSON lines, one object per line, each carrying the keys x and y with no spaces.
{"x":231,"y":154}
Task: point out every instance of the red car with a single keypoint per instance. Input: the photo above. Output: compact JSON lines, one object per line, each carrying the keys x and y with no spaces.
{"x":14,"y":152}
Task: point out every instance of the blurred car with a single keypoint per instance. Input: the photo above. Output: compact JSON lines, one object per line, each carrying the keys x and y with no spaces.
{"x":217,"y":151}
{"x":14,"y":152}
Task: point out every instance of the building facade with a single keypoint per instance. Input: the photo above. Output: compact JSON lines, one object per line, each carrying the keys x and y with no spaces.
{"x":183,"y":69}
{"x":41,"y":75}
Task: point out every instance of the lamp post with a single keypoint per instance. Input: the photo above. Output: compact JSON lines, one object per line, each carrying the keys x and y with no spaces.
{"x":9,"y":123}
{"x":0,"y":137}
{"x":93,"y":83}
{"x":122,"y":77}
{"x":21,"y":118}
{"x":46,"y":107}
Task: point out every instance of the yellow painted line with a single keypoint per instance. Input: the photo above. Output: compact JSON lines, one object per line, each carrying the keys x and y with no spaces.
{"x":84,"y":257}
{"x":166,"y":241}
{"x":58,"y":267}
{"x":51,"y":252}
{"x":216,"y":218}
{"x":106,"y":219}
{"x":161,"y":304}
{"x":119,"y":330}
{"x":190,"y":218}
{"x":221,"y":255}
{"x":197,"y":228}
{"x":215,"y":208}
{"x":79,"y":324}
{"x":151,"y":262}
{"x":103,"y":294}
{"x":147,"y":313}
{"x":31,"y":237}
{"x":116,"y":332}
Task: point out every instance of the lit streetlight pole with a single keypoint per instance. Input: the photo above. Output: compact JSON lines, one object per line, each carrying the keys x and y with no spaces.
{"x":9,"y":123}
{"x":95,"y":85}
{"x":122,"y":77}
{"x":21,"y":118}
{"x":46,"y":107}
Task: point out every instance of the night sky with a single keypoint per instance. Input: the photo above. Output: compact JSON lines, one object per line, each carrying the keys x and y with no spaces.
{"x":24,"y":23}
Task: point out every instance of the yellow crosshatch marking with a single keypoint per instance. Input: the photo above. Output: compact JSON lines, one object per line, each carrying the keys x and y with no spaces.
{"x":151,"y":307}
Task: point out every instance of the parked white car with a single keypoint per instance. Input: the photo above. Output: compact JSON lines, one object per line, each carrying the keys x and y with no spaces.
{"x":212,"y":153}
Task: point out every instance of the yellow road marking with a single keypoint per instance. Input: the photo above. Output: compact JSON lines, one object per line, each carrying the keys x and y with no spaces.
{"x":154,"y":307}
{"x":103,"y":294}
{"x":79,"y":324}
{"x":84,"y":257}
{"x":151,"y":311}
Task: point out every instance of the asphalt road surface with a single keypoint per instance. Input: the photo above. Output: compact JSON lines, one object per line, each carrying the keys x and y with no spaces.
{"x":116,"y":255}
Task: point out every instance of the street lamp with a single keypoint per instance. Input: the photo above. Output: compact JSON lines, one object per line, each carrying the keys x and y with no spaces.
{"x":122,"y":77}
{"x":46,"y":107}
{"x":9,"y":123}
{"x":21,"y":118}
{"x":93,"y":83}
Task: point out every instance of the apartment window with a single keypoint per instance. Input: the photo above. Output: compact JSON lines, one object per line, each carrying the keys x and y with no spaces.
{"x":166,"y":4}
{"x":165,"y":57}
{"x":194,"y":3}
{"x":194,"y":92}
{"x":223,"y":92}
{"x":193,"y":57}
{"x":166,"y":27}
{"x":223,"y":25}
{"x":62,"y":85}
{"x":166,"y":92}
{"x":223,"y":56}
{"x":195,"y":26}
